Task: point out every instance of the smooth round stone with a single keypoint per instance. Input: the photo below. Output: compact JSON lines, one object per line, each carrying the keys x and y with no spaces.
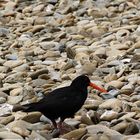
{"x":38,"y":82}
{"x":2,"y":100}
{"x":72,"y":122}
{"x":137,"y":45}
{"x":70,"y":53}
{"x":135,"y":109}
{"x":75,"y":134}
{"x":10,"y":5}
{"x":37,"y":28}
{"x":128,"y":115}
{"x":92,"y":104}
{"x":19,"y":124}
{"x":110,"y":53}
{"x":81,"y":49}
{"x":93,"y":137}
{"x":13,"y":63}
{"x":88,"y":67}
{"x":101,"y":52}
{"x":68,"y":65}
{"x":116,"y":84}
{"x":2,"y":94}
{"x":5,"y":109}
{"x":119,"y":34}
{"x":96,"y":129}
{"x":12,"y":57}
{"x":109,"y":115}
{"x":115,"y":104}
{"x":10,"y":135}
{"x":48,"y":62}
{"x":126,"y":91}
{"x":45,"y":119}
{"x":52,"y":54}
{"x":21,"y":131}
{"x":133,"y":128}
{"x":4,"y":32}
{"x":36,"y":135}
{"x":16,"y":92}
{"x":7,"y":86}
{"x":47,"y":45}
{"x":14,"y":99}
{"x":120,"y":127}
{"x":27,"y":9}
{"x":135,"y":98}
{"x":49,"y":10}
{"x":40,"y":21}
{"x":137,"y":103}
{"x":110,"y":77}
{"x":137,"y":51}
{"x":85,"y":119}
{"x":32,"y":117}
{"x":39,"y":51}
{"x":16,"y":77}
{"x":96,"y":12}
{"x":132,"y":137}
{"x":4,"y":69}
{"x":24,"y":38}
{"x":7,"y":120}
{"x":22,"y":68}
{"x":38,"y":8}
{"x":38,"y":126}
{"x":128,"y":87}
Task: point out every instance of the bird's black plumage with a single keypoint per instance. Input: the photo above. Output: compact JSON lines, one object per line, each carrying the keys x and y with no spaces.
{"x":62,"y":102}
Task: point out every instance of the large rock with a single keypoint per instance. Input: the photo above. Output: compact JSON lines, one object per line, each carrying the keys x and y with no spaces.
{"x":96,"y":129}
{"x":109,"y":115}
{"x":132,"y":137}
{"x":10,"y":135}
{"x":34,"y":135}
{"x":114,"y":104}
{"x":75,"y":134}
{"x":116,"y":84}
{"x":32,"y":117}
{"x":6,"y":120}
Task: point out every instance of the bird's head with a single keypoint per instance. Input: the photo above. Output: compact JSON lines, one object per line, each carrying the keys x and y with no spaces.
{"x":82,"y":82}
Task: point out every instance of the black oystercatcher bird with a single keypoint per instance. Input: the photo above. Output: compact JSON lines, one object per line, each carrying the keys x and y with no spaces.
{"x":63,"y":102}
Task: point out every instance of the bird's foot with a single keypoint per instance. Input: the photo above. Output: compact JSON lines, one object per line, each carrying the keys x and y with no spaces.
{"x":55,"y":133}
{"x":60,"y":128}
{"x":64,"y":128}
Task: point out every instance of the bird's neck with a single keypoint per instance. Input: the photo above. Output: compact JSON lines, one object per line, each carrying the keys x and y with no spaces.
{"x":80,"y":89}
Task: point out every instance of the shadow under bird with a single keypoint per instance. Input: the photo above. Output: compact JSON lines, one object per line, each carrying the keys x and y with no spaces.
{"x":63,"y":102}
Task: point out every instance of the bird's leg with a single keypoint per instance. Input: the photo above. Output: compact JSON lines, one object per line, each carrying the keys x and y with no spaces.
{"x":60,"y":124}
{"x":54,"y":124}
{"x":55,"y":132}
{"x":63,"y":128}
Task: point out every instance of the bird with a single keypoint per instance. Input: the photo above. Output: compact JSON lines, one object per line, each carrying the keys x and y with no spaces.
{"x":63,"y":102}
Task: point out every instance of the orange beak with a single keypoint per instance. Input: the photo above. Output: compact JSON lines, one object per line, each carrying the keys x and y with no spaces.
{"x":96,"y":87}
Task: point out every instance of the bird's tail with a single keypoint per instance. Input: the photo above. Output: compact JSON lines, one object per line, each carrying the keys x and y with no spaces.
{"x":25,"y":108}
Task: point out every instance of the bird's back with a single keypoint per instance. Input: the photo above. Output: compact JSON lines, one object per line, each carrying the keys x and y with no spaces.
{"x":62,"y":102}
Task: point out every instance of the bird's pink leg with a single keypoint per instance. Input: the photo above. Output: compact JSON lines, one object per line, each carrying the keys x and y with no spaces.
{"x":63,"y":127}
{"x":54,"y":124}
{"x":60,"y":124}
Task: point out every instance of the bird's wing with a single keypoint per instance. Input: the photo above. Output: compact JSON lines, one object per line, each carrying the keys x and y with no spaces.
{"x":60,"y":99}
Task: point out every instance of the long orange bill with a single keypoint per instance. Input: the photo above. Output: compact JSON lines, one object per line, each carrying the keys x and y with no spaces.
{"x":96,"y":87}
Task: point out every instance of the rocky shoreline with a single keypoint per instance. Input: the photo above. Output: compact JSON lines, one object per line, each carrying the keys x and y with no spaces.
{"x":44,"y":44}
